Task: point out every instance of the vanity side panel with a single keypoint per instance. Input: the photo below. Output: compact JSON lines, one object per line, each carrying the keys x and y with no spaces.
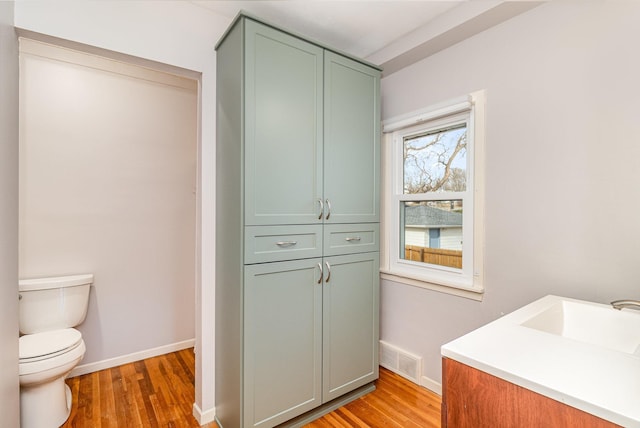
{"x":472,"y":398}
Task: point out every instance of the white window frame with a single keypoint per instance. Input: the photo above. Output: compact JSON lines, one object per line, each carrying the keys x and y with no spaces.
{"x":465,"y":282}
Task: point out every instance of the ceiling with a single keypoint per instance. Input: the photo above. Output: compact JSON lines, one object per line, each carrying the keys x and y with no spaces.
{"x":358,"y":27}
{"x":391,"y":33}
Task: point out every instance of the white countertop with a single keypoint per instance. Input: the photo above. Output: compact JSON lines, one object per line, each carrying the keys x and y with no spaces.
{"x":592,"y":378}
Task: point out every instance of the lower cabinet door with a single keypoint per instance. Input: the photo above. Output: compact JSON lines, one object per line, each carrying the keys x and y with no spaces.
{"x":350,"y":323}
{"x":282,"y":341}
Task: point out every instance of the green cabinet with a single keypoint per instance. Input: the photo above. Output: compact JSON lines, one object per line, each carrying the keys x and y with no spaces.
{"x":350,"y":323}
{"x":282,"y":126}
{"x":310,"y":133}
{"x":351,"y":141}
{"x":297,"y":226}
{"x":283,"y":341}
{"x":310,"y":335}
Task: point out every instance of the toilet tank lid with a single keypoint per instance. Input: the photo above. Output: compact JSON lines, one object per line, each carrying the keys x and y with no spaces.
{"x":54,"y":282}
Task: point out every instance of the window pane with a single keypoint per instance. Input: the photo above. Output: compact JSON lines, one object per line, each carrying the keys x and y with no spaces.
{"x":431,"y":232}
{"x":436,"y":162}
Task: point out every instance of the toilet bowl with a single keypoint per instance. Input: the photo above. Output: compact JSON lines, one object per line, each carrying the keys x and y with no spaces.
{"x":45,"y":361}
{"x":49,"y":346}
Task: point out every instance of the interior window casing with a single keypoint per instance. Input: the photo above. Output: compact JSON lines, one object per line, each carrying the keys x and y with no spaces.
{"x":466,"y":281}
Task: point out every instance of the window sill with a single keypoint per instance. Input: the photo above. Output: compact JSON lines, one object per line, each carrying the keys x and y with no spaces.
{"x":473,"y":293}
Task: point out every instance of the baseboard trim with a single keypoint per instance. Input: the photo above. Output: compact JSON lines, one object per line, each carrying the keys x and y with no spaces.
{"x":129,"y":358}
{"x":431,"y":385}
{"x":204,"y":417}
{"x":425,"y":382}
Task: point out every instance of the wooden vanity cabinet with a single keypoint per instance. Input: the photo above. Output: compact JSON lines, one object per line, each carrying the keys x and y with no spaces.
{"x":475,"y":399}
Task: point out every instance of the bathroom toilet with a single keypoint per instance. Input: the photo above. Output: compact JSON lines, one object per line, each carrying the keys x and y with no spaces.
{"x":49,"y":346}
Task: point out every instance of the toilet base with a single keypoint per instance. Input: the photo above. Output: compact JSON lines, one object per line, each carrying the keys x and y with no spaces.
{"x":45,"y":405}
{"x":67,"y":390}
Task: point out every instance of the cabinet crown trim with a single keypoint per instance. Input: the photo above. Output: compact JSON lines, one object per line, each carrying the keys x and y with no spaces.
{"x":246,"y":15}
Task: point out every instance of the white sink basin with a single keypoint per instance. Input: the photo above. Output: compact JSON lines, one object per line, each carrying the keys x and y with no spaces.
{"x":580,"y":353}
{"x":591,"y":323}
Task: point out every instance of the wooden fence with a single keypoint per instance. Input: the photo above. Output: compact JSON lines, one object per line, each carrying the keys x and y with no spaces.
{"x":435,"y":256}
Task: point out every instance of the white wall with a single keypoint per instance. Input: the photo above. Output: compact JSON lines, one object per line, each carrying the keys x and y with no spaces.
{"x":561,"y":162}
{"x":107,"y":186}
{"x":183,"y":35}
{"x":9,"y":387}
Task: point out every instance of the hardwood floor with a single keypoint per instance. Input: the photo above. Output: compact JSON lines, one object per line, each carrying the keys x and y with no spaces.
{"x":396,"y":402}
{"x":156,"y":392}
{"x":159,"y":392}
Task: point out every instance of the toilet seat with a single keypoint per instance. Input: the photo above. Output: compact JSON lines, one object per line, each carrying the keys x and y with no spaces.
{"x":60,"y":347}
{"x":40,"y":346}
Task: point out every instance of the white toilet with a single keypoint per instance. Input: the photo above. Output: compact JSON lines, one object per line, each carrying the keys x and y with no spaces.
{"x":49,"y":347}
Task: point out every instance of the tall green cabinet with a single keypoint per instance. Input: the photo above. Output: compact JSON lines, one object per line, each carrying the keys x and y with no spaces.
{"x":297,"y":227}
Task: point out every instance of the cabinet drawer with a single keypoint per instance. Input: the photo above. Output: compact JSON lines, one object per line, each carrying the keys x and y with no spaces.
{"x":351,"y":238}
{"x":276,"y":243}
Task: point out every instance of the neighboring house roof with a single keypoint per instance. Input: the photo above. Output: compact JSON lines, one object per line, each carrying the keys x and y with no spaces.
{"x":422,"y":215}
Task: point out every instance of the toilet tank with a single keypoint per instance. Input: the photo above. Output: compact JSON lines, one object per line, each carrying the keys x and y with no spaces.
{"x":53,"y":303}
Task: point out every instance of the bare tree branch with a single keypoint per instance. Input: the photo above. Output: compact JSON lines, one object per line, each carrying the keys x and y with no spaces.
{"x":430,"y":164}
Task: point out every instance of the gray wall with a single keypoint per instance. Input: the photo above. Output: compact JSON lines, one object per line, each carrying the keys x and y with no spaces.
{"x":562,"y":168}
{"x":9,"y":386}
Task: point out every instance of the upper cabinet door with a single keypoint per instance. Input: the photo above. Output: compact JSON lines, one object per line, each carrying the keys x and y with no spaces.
{"x":351,"y":141}
{"x":283,"y":128}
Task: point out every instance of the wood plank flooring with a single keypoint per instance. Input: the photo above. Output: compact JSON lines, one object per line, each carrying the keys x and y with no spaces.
{"x":156,"y":392}
{"x":396,"y":402}
{"x":159,"y":392}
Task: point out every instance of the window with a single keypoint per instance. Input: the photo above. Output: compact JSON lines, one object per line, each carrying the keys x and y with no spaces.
{"x":432,"y":229}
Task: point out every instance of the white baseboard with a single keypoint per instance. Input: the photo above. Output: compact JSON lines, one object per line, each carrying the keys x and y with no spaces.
{"x":431,"y":385}
{"x":203,"y":417}
{"x":129,"y":358}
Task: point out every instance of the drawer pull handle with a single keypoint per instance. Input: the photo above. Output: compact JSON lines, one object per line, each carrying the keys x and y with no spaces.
{"x":286,"y":243}
{"x":352,"y":238}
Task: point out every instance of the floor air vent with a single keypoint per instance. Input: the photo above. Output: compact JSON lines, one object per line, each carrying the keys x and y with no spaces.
{"x":401,"y":362}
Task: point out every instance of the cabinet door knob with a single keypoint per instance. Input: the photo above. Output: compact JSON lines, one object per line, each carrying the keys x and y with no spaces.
{"x":321,"y":275}
{"x":328,"y":210}
{"x":328,"y":271}
{"x":321,"y":208}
